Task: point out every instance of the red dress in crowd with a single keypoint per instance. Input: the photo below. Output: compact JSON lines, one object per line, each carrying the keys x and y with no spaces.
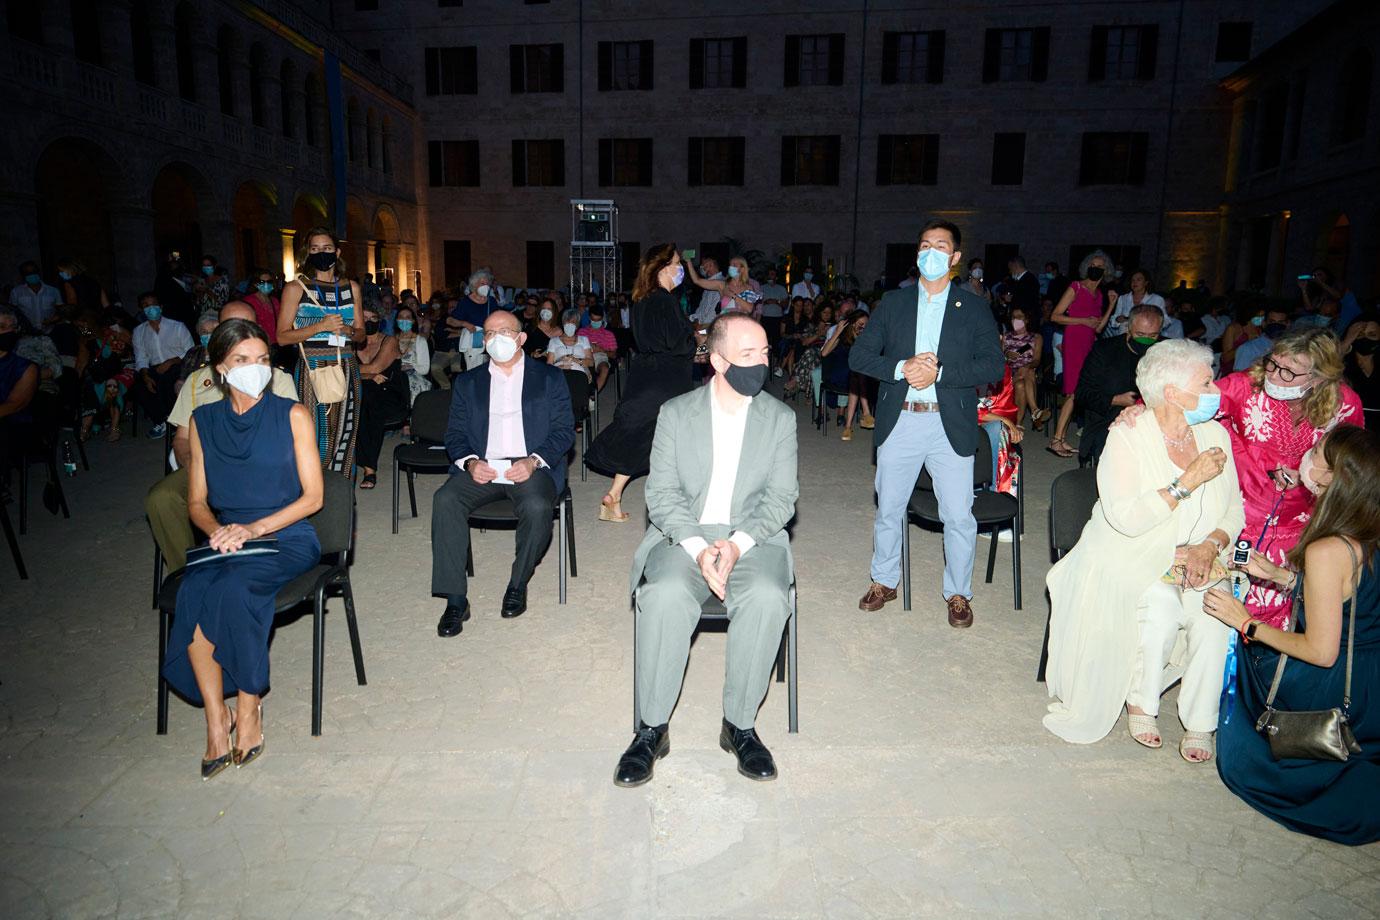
{"x":1264,"y":438}
{"x":999,"y":400}
{"x":1079,"y":339}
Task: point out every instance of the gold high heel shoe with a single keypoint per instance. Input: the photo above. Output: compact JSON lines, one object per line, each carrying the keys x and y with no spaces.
{"x":210,"y":768}
{"x":244,"y":758}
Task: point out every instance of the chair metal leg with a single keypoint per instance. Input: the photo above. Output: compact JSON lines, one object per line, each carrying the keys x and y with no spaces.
{"x":13,"y":541}
{"x":1044,"y":650}
{"x":412,"y":490}
{"x":570,"y":535}
{"x":347,"y":592}
{"x":780,"y":667}
{"x":164,"y":627}
{"x":992,"y":555}
{"x":81,"y":450}
{"x":905,"y":564}
{"x":584,"y":452}
{"x":469,"y":557}
{"x":23,"y":496}
{"x":318,"y":659}
{"x":560,"y":556}
{"x":1016,"y":564}
{"x":56,"y":481}
{"x":397,"y":472}
{"x":793,"y":689}
{"x":157,"y":574}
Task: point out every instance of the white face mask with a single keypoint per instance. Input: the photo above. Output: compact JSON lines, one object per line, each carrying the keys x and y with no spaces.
{"x":250,"y":379}
{"x":501,"y":348}
{"x":1306,"y":469}
{"x":1284,"y":394}
{"x":568,"y":329}
{"x":977,"y":273}
{"x":482,"y":290}
{"x":546,"y":316}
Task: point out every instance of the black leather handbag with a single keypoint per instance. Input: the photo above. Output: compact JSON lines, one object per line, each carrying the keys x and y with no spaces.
{"x":1323,"y":734}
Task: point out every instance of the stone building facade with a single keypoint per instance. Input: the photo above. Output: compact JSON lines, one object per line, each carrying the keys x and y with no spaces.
{"x":1303,"y":187}
{"x":824,"y":130}
{"x":133,"y":127}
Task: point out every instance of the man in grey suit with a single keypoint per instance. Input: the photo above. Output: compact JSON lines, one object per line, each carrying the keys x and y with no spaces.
{"x":931,"y":346}
{"x":721,"y":489}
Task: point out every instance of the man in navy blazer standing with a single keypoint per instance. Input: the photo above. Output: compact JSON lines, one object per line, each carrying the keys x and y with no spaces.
{"x":931,"y":346}
{"x":509,"y":429}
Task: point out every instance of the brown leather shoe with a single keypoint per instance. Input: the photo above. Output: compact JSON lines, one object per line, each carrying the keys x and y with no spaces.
{"x":876,"y":597}
{"x":960,"y":612}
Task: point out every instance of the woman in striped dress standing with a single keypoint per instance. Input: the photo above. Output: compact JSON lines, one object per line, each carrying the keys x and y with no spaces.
{"x":319,"y":315}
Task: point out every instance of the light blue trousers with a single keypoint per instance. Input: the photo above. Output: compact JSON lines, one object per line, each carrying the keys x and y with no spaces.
{"x":918,"y":441}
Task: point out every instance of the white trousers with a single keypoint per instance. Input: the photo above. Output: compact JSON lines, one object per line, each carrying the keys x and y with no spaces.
{"x":1164,"y":613}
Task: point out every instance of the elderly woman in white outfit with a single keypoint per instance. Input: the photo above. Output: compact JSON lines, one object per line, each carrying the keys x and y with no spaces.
{"x":1127,"y":616}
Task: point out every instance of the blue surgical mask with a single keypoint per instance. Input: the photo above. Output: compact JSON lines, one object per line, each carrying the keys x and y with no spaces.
{"x":404,"y":325}
{"x":679,"y":276}
{"x":809,"y":276}
{"x":205,"y":339}
{"x":65,"y":276}
{"x":1257,"y":320}
{"x":153,"y":312}
{"x":933,"y":264}
{"x":1206,"y":410}
{"x":265,"y":287}
{"x":32,"y":278}
{"x":208,"y":270}
{"x":733,"y":271}
{"x":596,"y":324}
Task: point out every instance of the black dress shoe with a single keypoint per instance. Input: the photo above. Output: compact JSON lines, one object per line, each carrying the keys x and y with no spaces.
{"x":453,"y":620}
{"x":754,"y":760}
{"x":649,"y":745}
{"x":514,"y":603}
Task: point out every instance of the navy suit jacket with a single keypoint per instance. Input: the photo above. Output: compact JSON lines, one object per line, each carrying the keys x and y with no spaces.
{"x":969,"y":353}
{"x":547,"y":422}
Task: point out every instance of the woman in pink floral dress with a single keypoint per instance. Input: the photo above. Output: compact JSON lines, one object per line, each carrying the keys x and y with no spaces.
{"x":1276,"y":411}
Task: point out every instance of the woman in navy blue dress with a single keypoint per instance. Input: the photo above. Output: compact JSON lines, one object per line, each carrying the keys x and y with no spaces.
{"x":254,"y":472}
{"x":1338,"y":553}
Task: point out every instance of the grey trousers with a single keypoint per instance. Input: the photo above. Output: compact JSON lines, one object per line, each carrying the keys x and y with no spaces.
{"x":668,"y":609}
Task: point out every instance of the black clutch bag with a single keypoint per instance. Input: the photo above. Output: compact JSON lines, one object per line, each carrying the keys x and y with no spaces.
{"x":1321,"y":734}
{"x":200,"y":554}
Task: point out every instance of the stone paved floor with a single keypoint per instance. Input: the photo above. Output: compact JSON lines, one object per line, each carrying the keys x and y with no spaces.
{"x":472,"y":776}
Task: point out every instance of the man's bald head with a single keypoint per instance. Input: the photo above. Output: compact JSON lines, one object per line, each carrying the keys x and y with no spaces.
{"x":237,"y":309}
{"x":502,"y":321}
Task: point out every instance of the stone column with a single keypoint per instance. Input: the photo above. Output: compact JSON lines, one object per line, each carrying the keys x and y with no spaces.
{"x":288,"y":265}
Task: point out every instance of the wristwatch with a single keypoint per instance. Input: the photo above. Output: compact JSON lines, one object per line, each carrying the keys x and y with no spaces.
{"x":1249,"y":631}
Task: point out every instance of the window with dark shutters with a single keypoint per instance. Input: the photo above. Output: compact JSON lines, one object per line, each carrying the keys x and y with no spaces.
{"x":453,"y":163}
{"x":1008,"y":158}
{"x":1123,"y":53}
{"x":625,"y":162}
{"x":536,"y":68}
{"x":1113,"y":158}
{"x":715,"y":161}
{"x":810,"y":160}
{"x":625,"y":66}
{"x":452,"y":71}
{"x":913,"y":57}
{"x":1015,"y":55}
{"x":908,"y":159}
{"x":538,"y":163}
{"x":814,"y":60}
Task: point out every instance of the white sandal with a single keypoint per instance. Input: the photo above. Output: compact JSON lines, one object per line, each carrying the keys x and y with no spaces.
{"x":1142,"y":724}
{"x":1198,"y":741}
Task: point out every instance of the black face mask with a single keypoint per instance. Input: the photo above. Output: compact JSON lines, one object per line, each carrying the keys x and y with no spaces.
{"x":371,"y":326}
{"x":1364,"y":346}
{"x":1275,"y":330}
{"x":321,"y":261}
{"x":1095,"y":273}
{"x":8,"y":341}
{"x":747,"y":380}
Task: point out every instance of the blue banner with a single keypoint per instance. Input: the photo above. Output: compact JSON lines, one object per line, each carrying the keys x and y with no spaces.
{"x":335,"y":106}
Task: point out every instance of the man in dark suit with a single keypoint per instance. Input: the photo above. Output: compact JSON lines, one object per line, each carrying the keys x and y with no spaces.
{"x":1025,"y":287}
{"x":510,"y":427}
{"x":931,"y":346}
{"x":1107,"y":383}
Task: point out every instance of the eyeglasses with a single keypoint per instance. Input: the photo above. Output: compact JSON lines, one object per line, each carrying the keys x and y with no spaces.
{"x":490,"y":333}
{"x":1274,"y":367}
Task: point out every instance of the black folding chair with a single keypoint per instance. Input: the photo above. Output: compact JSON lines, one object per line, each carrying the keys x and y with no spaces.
{"x":1072,"y":496}
{"x":427,"y":452}
{"x":335,"y":527}
{"x":13,"y":542}
{"x":714,"y":611}
{"x":501,"y":515}
{"x":41,"y":450}
{"x":992,"y":510}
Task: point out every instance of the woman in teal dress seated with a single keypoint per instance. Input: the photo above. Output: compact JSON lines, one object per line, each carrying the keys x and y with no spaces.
{"x":254,"y":472}
{"x":1337,"y":800}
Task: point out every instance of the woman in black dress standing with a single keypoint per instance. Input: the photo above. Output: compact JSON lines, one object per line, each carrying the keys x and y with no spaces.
{"x":660,"y":370}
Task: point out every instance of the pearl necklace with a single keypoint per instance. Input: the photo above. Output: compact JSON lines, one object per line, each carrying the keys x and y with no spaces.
{"x":1184,"y":441}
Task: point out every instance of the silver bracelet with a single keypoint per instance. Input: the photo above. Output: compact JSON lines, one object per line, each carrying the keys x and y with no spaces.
{"x":1178,"y":491}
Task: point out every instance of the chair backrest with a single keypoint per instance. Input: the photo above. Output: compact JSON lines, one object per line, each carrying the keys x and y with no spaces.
{"x":1071,"y":499}
{"x":335,"y":522}
{"x":430,"y":413}
{"x":982,"y":467}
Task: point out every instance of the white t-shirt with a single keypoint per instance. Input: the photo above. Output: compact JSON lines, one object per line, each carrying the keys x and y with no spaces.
{"x":1121,"y":314}
{"x":805,"y":289}
{"x":569,"y":356}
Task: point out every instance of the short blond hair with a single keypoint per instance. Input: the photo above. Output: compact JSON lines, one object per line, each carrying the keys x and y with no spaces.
{"x":1321,"y":347}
